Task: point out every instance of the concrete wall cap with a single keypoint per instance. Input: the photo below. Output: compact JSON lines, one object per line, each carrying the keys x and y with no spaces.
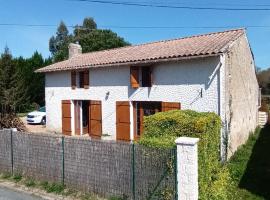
{"x":187,"y":141}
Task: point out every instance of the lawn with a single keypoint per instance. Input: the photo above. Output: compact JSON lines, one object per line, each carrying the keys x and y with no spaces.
{"x":250,"y":168}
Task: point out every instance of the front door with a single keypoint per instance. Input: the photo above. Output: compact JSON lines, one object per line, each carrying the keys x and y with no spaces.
{"x":77,"y":117}
{"x":85,"y":117}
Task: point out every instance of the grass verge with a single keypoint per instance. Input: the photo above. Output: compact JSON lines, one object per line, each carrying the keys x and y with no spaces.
{"x":56,"y":188}
{"x":250,"y":168}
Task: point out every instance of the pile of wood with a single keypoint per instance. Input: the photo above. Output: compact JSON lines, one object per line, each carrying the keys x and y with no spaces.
{"x":11,"y":121}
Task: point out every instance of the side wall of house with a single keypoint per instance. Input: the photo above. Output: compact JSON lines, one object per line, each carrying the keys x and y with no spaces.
{"x":186,"y":82}
{"x":241,"y":94}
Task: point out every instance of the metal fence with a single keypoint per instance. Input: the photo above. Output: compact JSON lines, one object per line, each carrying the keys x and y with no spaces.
{"x":107,"y":168}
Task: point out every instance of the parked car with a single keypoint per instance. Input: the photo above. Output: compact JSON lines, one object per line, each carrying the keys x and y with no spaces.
{"x":37,"y":117}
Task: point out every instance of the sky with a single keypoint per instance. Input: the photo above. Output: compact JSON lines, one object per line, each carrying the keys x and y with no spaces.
{"x":23,"y":41}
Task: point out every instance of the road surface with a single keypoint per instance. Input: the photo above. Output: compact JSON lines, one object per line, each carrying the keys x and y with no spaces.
{"x":7,"y":194}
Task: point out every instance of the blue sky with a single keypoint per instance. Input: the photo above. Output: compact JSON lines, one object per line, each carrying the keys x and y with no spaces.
{"x":25,"y":40}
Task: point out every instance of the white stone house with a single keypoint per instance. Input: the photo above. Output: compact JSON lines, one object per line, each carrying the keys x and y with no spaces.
{"x":107,"y":93}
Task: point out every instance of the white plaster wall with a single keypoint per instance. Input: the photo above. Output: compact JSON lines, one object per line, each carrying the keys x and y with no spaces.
{"x":173,"y":82}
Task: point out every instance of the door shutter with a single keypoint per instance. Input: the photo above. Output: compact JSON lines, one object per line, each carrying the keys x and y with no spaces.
{"x":166,"y":106}
{"x":73,"y":80}
{"x":134,"y":77}
{"x":66,"y":117}
{"x":86,"y":79}
{"x":95,"y":119}
{"x":122,"y":120}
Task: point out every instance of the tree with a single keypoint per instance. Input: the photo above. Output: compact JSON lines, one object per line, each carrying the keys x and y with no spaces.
{"x":263,"y":77}
{"x":33,"y":83}
{"x":58,"y":45}
{"x":89,"y":37}
{"x":88,"y":25}
{"x":12,"y":95}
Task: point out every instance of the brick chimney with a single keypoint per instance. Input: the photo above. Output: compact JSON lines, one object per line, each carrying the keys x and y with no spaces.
{"x":74,"y":49}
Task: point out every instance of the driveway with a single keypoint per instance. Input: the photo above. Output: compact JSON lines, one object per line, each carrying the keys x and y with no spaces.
{"x":8,"y":194}
{"x":33,"y":128}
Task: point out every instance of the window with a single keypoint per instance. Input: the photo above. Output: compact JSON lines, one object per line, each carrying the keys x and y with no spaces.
{"x":140,"y":77}
{"x":146,"y":77}
{"x":83,"y":79}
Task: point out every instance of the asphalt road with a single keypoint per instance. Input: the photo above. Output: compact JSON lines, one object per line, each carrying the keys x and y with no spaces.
{"x":7,"y":194}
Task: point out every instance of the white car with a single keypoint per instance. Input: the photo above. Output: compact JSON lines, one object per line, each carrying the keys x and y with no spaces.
{"x":37,"y":117}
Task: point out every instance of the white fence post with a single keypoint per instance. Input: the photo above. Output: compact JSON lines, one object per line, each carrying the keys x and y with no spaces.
{"x":187,"y":168}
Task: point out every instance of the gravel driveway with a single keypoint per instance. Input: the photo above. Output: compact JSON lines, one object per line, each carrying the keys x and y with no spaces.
{"x":34,"y":128}
{"x":8,"y":194}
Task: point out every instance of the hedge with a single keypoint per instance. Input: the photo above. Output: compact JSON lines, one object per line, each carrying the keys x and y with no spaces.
{"x":161,"y":130}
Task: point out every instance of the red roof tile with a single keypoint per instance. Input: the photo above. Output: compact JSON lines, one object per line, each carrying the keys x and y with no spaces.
{"x":195,"y":46}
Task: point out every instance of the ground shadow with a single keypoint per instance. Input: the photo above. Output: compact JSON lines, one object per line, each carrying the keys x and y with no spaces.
{"x":256,"y":178}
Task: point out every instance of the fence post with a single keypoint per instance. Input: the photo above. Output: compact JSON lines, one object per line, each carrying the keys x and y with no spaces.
{"x":11,"y":151}
{"x":133,"y":171}
{"x":63,"y":159}
{"x":187,"y":168}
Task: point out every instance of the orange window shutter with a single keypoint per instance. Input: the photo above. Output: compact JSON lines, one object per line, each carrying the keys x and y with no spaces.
{"x":134,"y":77}
{"x":86,"y":79}
{"x":166,"y":106}
{"x":73,"y":80}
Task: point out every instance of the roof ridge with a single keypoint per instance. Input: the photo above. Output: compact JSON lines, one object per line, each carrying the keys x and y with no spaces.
{"x":168,"y":40}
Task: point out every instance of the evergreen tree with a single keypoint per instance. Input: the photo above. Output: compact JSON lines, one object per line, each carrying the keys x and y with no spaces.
{"x":12,"y":95}
{"x":33,"y":82}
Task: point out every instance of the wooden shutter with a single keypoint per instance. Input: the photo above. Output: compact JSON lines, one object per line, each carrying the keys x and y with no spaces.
{"x":166,"y":106}
{"x":122,"y":120}
{"x":95,"y":119}
{"x":73,"y":80}
{"x":134,"y":77}
{"x":86,"y":79}
{"x":66,"y":117}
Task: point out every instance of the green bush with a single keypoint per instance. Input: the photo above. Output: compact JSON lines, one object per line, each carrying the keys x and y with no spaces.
{"x":163,"y":128}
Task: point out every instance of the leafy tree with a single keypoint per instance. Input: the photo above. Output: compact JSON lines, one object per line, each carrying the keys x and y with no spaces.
{"x":263,"y":77}
{"x":89,"y":37}
{"x":12,"y":95}
{"x":88,"y":25}
{"x":58,"y":45}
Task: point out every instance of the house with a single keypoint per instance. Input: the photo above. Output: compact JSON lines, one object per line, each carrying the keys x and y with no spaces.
{"x":107,"y":93}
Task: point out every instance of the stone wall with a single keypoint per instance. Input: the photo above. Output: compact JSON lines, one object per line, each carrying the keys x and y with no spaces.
{"x":241,"y":94}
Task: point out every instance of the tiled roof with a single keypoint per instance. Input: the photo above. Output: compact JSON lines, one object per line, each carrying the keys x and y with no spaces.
{"x":195,"y":46}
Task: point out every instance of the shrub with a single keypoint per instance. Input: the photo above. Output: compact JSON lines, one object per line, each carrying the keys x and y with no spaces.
{"x":163,"y":128}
